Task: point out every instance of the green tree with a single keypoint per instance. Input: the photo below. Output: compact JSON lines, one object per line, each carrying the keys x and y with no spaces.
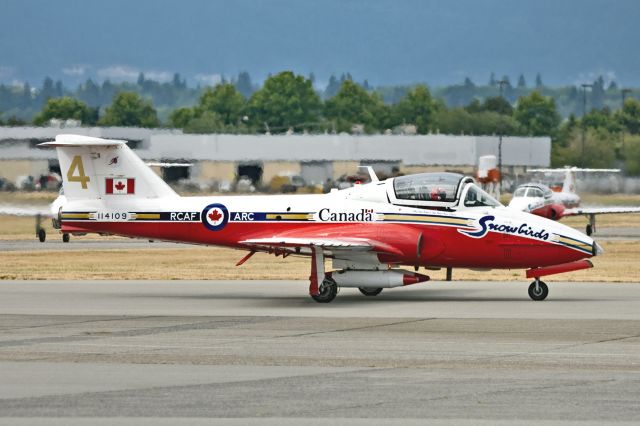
{"x":632,"y":155}
{"x":224,"y":100}
{"x":207,"y":122}
{"x":354,"y":105}
{"x":180,"y":118}
{"x":66,"y":108}
{"x":522,"y":84}
{"x":244,"y":84}
{"x":129,"y":109}
{"x":497,"y":104}
{"x":285,"y":101}
{"x":417,"y":107}
{"x":457,"y":121}
{"x":599,"y":149}
{"x":601,"y":118}
{"x":332,"y":87}
{"x":629,"y":117}
{"x":537,"y":114}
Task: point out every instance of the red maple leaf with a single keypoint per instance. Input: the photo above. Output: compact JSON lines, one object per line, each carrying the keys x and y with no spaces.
{"x":120,"y":186}
{"x":215,"y":215}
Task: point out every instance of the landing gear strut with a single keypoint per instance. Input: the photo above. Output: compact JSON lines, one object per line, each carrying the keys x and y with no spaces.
{"x":322,"y":288}
{"x":538,"y":290}
{"x":591,"y":227}
{"x":40,"y":232}
{"x":370,"y":291}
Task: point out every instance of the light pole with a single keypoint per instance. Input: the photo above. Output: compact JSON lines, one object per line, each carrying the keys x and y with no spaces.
{"x":584,"y":113}
{"x":624,"y":92}
{"x":501,"y":83}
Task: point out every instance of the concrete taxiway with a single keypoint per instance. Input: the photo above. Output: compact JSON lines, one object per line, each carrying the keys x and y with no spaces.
{"x":453,"y":353}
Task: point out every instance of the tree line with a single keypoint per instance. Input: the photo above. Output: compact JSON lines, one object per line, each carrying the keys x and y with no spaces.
{"x":287,"y":102}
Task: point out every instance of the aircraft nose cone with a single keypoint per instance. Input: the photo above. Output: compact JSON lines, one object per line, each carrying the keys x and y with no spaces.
{"x":597,"y":249}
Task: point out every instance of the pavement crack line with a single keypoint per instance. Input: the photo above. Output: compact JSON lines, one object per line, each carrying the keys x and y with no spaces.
{"x":107,"y":319}
{"x":467,"y":395}
{"x":210,"y":324}
{"x":365,"y":327}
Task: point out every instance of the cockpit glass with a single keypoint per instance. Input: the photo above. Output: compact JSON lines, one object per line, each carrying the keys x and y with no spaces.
{"x":535,"y":193}
{"x":427,"y":187}
{"x":519,"y":192}
{"x":476,"y":197}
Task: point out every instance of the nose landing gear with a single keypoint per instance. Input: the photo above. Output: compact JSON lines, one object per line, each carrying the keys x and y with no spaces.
{"x":538,"y":290}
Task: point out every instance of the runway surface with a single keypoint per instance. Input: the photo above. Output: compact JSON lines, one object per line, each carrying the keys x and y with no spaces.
{"x":253,"y":351}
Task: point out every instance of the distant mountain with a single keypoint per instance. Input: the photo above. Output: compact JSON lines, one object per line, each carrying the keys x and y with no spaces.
{"x":385,"y":41}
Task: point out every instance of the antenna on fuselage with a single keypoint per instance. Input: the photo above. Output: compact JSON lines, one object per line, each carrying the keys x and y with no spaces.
{"x":372,"y":173}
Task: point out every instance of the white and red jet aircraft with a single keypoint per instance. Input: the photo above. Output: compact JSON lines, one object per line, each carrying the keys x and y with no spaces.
{"x":540,"y":200}
{"x":433,"y":220}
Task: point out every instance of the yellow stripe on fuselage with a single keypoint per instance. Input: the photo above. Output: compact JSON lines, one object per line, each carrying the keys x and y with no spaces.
{"x":147,"y":215}
{"x":427,"y":219}
{"x":75,"y":215}
{"x":575,"y":243}
{"x":287,"y":216}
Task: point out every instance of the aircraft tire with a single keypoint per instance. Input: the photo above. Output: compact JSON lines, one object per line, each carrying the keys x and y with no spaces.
{"x":327,"y":291}
{"x":589,"y":230}
{"x":370,"y":291}
{"x":65,"y":238}
{"x":42,"y":235}
{"x":541,"y":294}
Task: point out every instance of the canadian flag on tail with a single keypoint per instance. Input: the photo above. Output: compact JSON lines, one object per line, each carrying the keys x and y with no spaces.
{"x":120,"y":186}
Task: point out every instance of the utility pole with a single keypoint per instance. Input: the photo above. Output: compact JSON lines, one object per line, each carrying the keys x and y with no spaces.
{"x":624,"y":92}
{"x":584,"y":126}
{"x":501,"y":83}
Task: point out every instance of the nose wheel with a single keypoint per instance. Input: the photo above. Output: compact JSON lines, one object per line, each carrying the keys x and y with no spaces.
{"x":538,"y":290}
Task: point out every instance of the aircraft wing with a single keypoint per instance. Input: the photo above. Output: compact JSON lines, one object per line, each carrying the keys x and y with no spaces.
{"x":599,"y":210}
{"x":330,"y":243}
{"x":26,"y":210}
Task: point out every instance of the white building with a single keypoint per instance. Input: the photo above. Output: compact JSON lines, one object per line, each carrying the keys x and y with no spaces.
{"x":315,"y":157}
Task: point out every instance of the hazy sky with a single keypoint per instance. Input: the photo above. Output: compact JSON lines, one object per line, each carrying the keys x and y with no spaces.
{"x":385,"y":41}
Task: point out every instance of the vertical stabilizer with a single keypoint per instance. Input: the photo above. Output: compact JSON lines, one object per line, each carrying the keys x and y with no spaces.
{"x":569,"y":184}
{"x":95,"y":168}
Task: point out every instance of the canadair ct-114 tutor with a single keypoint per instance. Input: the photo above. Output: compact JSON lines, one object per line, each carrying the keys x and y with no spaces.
{"x":369,"y":231}
{"x":540,"y":200}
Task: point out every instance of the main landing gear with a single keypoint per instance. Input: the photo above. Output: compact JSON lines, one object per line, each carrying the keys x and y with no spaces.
{"x":538,"y":290}
{"x":327,"y":291}
{"x":370,"y":291}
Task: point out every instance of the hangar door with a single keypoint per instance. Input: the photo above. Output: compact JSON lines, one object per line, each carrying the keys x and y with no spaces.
{"x":316,"y":172}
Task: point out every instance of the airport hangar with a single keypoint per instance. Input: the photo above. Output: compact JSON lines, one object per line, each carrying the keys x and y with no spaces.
{"x":216,"y":158}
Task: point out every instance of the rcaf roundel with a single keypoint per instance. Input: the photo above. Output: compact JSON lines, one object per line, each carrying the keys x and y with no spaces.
{"x":215,"y":217}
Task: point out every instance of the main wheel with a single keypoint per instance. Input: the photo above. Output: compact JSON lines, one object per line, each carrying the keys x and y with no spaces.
{"x":539,"y":292}
{"x":370,"y":291}
{"x":65,"y":238}
{"x":42,"y":235}
{"x":589,"y":230}
{"x":327,"y":291}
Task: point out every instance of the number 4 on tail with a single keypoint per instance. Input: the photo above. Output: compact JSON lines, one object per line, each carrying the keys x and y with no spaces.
{"x":76,"y":164}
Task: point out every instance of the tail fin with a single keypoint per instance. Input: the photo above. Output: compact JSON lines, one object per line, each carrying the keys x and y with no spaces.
{"x":569,"y":184}
{"x":97,"y":168}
